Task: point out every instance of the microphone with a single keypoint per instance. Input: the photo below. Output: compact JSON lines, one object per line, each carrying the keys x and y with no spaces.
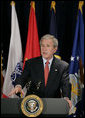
{"x":28,"y":84}
{"x":38,"y":85}
{"x":33,"y":87}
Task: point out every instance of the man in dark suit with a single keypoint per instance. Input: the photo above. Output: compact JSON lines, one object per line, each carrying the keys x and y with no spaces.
{"x":57,"y":83}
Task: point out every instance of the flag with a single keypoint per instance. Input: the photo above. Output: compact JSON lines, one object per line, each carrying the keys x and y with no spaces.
{"x":14,"y":56}
{"x":32,"y":45}
{"x":53,"y":25}
{"x":77,"y":54}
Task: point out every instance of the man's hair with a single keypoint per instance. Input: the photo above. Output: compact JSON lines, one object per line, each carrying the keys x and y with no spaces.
{"x":48,"y":36}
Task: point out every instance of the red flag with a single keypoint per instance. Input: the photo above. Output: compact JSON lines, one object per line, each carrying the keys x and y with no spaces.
{"x":32,"y":46}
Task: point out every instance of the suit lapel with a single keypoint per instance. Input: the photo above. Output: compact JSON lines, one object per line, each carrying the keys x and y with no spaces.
{"x":41,"y":72}
{"x":53,"y":72}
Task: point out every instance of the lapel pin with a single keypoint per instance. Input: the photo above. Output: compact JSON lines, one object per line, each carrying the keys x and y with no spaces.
{"x":56,"y":70}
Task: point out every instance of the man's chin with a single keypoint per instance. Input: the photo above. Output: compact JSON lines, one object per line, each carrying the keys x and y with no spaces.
{"x":45,"y":57}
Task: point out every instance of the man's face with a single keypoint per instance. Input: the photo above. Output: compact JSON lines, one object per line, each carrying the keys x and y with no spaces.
{"x":47,"y":49}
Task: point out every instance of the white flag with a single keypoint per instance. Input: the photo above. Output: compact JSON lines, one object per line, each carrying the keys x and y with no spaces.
{"x":15,"y":54}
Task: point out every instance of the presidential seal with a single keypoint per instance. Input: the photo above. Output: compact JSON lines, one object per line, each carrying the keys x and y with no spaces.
{"x":32,"y":106}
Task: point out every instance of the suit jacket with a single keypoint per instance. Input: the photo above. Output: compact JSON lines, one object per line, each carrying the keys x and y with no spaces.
{"x":58,"y":79}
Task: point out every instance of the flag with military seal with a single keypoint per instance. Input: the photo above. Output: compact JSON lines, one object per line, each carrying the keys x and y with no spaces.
{"x":14,"y":64}
{"x":77,"y":54}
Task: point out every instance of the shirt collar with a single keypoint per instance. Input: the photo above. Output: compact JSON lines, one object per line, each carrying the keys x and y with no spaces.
{"x":50,"y":61}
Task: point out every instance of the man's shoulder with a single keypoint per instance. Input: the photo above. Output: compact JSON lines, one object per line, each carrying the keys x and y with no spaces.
{"x":36,"y":59}
{"x":61,"y":62}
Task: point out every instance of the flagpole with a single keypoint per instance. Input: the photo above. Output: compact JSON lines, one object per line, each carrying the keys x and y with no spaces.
{"x":81,"y":71}
{"x":1,"y":74}
{"x":12,"y":3}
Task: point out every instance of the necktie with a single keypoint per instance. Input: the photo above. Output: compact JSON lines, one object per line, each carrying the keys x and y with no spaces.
{"x":46,"y":72}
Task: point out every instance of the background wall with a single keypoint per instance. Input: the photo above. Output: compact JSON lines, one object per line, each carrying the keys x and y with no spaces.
{"x":66,"y":13}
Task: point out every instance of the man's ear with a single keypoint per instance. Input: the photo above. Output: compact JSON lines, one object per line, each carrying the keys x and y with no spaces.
{"x":56,"y":48}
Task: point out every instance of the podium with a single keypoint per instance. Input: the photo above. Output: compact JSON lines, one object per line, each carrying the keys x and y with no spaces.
{"x":53,"y":107}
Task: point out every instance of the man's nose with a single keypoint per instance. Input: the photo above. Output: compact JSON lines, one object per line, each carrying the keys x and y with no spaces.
{"x":45,"y":47}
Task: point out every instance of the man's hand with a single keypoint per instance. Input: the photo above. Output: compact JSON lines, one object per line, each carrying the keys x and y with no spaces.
{"x":16,"y":90}
{"x":69,"y":101}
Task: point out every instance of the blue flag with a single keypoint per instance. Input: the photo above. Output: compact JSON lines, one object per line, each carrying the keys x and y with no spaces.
{"x":53,"y":28}
{"x":53,"y":25}
{"x":77,"y":53}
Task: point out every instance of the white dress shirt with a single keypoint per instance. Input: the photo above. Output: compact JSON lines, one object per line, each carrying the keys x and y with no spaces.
{"x":50,"y":62}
